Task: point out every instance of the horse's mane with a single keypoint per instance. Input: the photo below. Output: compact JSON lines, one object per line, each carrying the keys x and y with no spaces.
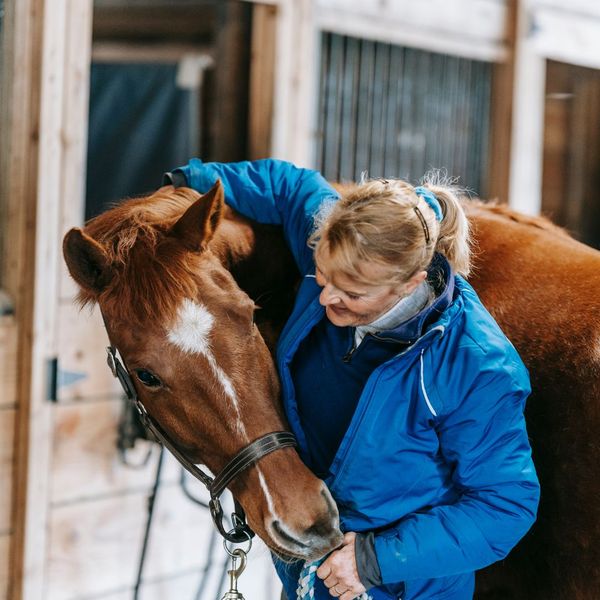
{"x":152,"y":274}
{"x":474,"y":206}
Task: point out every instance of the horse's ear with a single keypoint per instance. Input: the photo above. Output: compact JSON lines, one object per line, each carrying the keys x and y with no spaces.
{"x":87,"y":261}
{"x":196,"y":227}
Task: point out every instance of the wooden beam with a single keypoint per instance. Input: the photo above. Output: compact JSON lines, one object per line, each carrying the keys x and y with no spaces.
{"x":48,"y":60}
{"x":588,"y":8}
{"x":296,"y":73}
{"x":501,"y":113}
{"x":230,"y":97}
{"x":7,"y":426}
{"x":8,"y":361}
{"x":144,"y":53}
{"x":5,"y":550}
{"x":22,"y":57}
{"x":192,"y":24}
{"x":527,"y":143}
{"x":562,"y":34}
{"x":479,"y":36}
{"x":262,"y":81}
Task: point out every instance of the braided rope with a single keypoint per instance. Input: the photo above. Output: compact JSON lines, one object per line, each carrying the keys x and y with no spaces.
{"x":306,"y":582}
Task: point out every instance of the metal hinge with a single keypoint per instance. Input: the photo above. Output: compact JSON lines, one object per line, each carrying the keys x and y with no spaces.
{"x":52,"y":379}
{"x":57,"y":379}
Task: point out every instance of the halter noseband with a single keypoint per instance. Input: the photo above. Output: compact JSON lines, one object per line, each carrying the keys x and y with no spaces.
{"x":247,"y":456}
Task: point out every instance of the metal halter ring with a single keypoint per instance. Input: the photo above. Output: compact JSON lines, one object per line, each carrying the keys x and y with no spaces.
{"x":231,"y":552}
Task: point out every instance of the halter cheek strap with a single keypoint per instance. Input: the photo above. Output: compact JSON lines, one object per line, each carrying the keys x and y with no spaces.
{"x":246,"y":457}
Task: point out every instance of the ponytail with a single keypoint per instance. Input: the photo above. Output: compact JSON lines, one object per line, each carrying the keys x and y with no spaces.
{"x":453,"y":237}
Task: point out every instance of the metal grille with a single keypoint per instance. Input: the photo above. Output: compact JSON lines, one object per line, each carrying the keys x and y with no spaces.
{"x":400,"y":112}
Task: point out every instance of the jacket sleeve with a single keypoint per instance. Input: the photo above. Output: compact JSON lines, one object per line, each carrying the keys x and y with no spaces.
{"x":268,"y":191}
{"x":484,"y":440}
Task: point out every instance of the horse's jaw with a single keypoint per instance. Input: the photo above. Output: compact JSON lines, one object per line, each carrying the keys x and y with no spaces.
{"x":289,"y":508}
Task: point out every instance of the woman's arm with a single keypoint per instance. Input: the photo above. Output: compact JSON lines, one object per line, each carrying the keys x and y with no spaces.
{"x":485,"y":440}
{"x":268,"y":191}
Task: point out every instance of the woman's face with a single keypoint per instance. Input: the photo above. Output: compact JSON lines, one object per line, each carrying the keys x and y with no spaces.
{"x":349,"y":303}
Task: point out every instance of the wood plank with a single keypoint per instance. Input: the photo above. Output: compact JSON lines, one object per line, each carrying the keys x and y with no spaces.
{"x":94,"y":545}
{"x":82,"y":342}
{"x":25,"y":37}
{"x":128,"y":21}
{"x":468,"y":28}
{"x":527,"y":136}
{"x":56,"y":41}
{"x":556,"y":196}
{"x":501,"y":114}
{"x":589,"y":8}
{"x":5,"y":548}
{"x":8,"y":360}
{"x":232,"y":81}
{"x":296,"y":73}
{"x":74,"y":126}
{"x":258,"y":581}
{"x":7,"y":427}
{"x":85,"y":460}
{"x":143,"y":53}
{"x":262,"y":80}
{"x":565,"y":36}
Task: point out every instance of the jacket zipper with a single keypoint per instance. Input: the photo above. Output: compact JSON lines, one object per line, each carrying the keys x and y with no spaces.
{"x":364,"y":402}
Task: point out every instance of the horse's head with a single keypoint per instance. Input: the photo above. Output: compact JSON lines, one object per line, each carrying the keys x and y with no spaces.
{"x":200,"y":366}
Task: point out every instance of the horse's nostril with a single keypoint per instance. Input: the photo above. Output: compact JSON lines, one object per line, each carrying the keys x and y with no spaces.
{"x":285,"y":536}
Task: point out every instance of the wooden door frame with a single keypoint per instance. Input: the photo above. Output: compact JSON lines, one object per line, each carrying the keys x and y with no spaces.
{"x":46,"y":70}
{"x":545,"y":30}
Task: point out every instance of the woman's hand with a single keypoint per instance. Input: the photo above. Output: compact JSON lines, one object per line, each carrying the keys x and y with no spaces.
{"x":339,"y":572}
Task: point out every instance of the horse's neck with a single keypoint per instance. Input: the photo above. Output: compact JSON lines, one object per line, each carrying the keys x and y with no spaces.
{"x":262,"y":265}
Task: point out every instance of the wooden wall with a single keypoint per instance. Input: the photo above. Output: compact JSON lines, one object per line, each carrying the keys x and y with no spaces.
{"x":97,"y":510}
{"x":76,"y":530}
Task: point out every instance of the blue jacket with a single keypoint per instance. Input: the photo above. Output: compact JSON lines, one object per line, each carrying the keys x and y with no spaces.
{"x":436,"y":460}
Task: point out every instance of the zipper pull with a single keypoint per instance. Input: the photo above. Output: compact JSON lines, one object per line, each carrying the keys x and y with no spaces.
{"x":348,"y":356}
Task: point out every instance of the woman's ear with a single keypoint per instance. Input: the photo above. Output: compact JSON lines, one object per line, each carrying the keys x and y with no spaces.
{"x":415,"y":281}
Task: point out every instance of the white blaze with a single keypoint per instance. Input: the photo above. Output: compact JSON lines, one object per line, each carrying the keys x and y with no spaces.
{"x":191,"y":334}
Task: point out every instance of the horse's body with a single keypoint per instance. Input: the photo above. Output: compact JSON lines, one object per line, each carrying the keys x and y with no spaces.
{"x":541,"y":286}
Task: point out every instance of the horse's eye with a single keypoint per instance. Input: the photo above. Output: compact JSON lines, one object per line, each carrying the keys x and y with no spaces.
{"x":147,"y":378}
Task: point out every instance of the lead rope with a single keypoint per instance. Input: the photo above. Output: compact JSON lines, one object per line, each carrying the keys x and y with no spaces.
{"x":306,"y":581}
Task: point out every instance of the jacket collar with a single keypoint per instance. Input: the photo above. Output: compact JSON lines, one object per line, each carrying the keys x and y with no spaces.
{"x":441,"y":277}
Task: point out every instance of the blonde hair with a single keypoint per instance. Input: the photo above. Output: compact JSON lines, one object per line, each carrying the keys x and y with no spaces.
{"x":388,"y":223}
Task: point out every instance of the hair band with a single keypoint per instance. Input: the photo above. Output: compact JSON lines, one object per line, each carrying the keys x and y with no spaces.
{"x":431,"y":200}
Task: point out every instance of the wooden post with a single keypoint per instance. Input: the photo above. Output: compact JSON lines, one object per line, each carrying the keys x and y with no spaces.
{"x":527,"y":144}
{"x":262,"y":80}
{"x":20,"y":131}
{"x":45,"y":64}
{"x":501,"y":113}
{"x":231,"y":88}
{"x":296,"y":74}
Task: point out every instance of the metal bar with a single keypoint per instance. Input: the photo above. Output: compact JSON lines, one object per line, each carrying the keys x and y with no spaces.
{"x":151,"y":503}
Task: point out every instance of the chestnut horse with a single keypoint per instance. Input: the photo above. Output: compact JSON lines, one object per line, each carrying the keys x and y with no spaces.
{"x":160,"y":269}
{"x":177,"y":277}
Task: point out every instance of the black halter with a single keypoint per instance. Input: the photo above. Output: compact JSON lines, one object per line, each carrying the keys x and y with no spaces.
{"x":216,"y":485}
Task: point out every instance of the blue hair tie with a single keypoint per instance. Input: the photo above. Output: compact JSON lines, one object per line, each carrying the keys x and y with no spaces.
{"x":431,"y":200}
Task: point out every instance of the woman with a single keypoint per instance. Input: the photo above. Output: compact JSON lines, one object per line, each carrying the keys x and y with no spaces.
{"x":405,"y":396}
